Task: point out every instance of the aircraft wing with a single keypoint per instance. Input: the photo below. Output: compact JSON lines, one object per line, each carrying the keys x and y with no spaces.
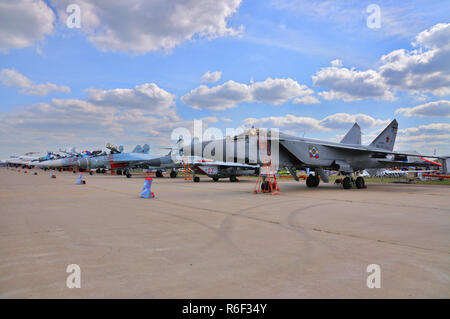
{"x":366,"y":149}
{"x":217,"y":163}
{"x":390,"y":163}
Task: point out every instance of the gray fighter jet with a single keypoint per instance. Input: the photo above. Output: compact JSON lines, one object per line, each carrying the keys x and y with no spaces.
{"x":276,"y":149}
{"x":200,"y":165}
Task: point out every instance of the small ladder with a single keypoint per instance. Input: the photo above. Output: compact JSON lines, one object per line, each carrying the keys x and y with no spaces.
{"x":267,"y":179}
{"x":187,"y":170}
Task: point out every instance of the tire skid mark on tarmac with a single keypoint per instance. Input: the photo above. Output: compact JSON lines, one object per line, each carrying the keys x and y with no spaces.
{"x":390,"y":242}
{"x":220,"y":235}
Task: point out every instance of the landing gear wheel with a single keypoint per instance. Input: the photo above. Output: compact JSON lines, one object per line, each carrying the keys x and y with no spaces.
{"x":360,"y":183}
{"x":347,"y":183}
{"x":128,"y":175}
{"x":196,"y":179}
{"x":312,"y":181}
{"x":91,"y":173}
{"x":103,"y":171}
{"x":216,"y":179}
{"x":233,"y":179}
{"x":119,"y":172}
{"x":159,"y":174}
{"x":173,"y":174}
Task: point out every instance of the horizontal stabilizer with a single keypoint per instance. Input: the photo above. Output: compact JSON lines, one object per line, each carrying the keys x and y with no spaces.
{"x":353,"y":136}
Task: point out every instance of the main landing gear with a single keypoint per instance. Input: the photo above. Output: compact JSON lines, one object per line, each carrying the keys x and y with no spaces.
{"x":159,"y":174}
{"x":348,"y":182}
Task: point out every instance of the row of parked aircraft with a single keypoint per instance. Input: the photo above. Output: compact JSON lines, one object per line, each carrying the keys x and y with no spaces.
{"x":347,"y":157}
{"x":122,"y":162}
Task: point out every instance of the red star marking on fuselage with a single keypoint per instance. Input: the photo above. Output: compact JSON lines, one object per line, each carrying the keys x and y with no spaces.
{"x":387,"y":139}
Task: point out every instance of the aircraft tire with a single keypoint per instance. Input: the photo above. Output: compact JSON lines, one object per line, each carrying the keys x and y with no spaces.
{"x":310,"y":181}
{"x":360,"y":182}
{"x":316,"y":181}
{"x":173,"y":174}
{"x":128,"y":175}
{"x":216,"y":179}
{"x":233,"y":179}
{"x":196,"y":179}
{"x":91,"y":173}
{"x":347,"y":183}
{"x":159,"y":174}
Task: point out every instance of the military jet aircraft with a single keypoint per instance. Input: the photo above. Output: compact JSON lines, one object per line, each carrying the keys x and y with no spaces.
{"x":200,"y":165}
{"x":270,"y":147}
{"x":28,"y":159}
{"x":117,"y":160}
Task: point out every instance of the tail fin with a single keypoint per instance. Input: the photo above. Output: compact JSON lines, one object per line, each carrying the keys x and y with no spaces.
{"x":445,"y":165}
{"x":146,"y":149}
{"x":386,"y":139}
{"x":137,"y":149}
{"x":353,"y":136}
{"x":177,"y":148}
{"x":121,"y":148}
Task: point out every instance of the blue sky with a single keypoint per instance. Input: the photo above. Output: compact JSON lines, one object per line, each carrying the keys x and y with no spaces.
{"x":131,"y":74}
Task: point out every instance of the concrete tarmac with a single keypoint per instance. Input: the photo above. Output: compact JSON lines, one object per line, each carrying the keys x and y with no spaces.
{"x":219,"y":240}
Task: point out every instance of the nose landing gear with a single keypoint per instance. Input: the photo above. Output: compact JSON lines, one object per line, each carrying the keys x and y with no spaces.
{"x":312,"y":181}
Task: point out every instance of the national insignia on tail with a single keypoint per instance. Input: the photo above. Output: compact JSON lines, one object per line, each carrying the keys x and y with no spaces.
{"x":313,"y":151}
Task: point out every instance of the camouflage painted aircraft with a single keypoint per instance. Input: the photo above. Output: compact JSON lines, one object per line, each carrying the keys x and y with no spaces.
{"x":347,"y":157}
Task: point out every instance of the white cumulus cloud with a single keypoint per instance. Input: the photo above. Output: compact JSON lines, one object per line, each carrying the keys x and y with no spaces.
{"x":423,"y":70}
{"x":13,"y":78}
{"x":230,"y":94}
{"x":141,"y":26}
{"x":211,"y":77}
{"x":22,"y":22}
{"x":431,"y":109}
{"x":351,"y":85}
{"x":338,"y":121}
{"x":148,"y":97}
